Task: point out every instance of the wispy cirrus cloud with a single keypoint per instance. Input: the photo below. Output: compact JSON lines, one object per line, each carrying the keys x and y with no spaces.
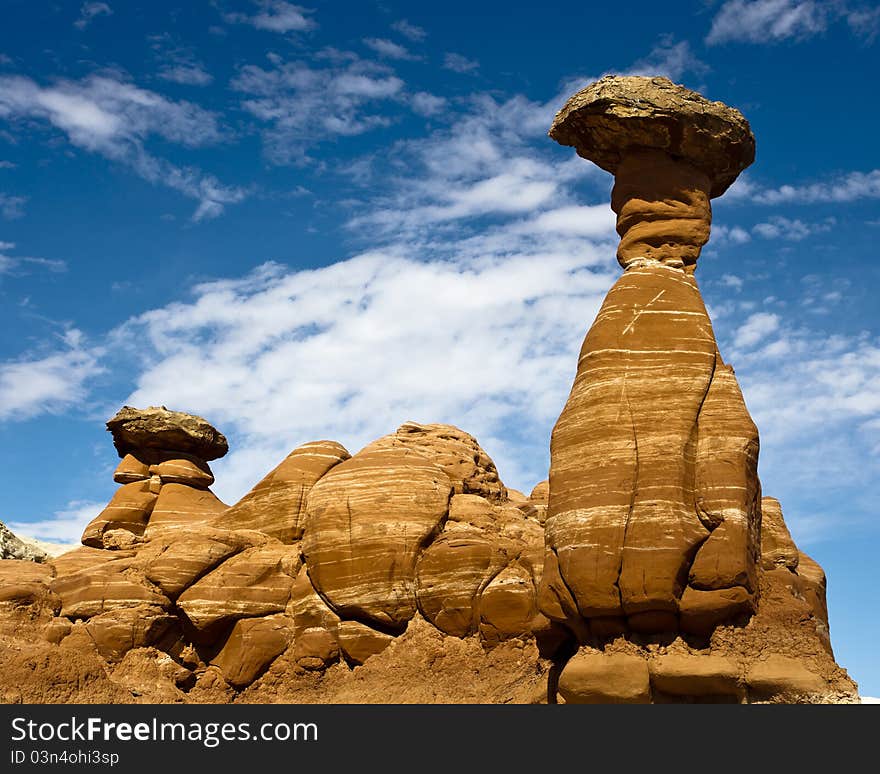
{"x":20,"y":264}
{"x":768,"y":21}
{"x":847,"y":187}
{"x":389,"y":49}
{"x":410,"y":31}
{"x":671,"y":58}
{"x":302,"y":104}
{"x":178,"y":63}
{"x":116,"y":119}
{"x":793,"y":230}
{"x":189,"y":74}
{"x":11,"y":207}
{"x":459,"y":63}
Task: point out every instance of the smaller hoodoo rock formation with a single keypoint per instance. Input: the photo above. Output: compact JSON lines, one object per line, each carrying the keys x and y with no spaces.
{"x":164,"y":475}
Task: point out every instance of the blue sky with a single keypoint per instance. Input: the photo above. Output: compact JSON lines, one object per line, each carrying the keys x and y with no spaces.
{"x":322,"y":221}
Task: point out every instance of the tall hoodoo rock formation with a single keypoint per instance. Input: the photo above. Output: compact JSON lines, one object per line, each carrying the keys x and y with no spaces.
{"x":654,"y":517}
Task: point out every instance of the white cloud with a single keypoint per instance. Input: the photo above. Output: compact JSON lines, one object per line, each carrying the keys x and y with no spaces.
{"x":814,"y":398}
{"x":354,"y":349}
{"x":89,"y":12}
{"x":275,"y":16}
{"x":11,"y":207}
{"x":731,"y":281}
{"x":408,"y":30}
{"x":761,"y":21}
{"x":426,"y":104}
{"x":19,"y":264}
{"x":577,"y":220}
{"x":767,"y":21}
{"x":870,"y":700}
{"x":735,"y":234}
{"x":178,"y":63}
{"x":47,"y":383}
{"x":757,"y":327}
{"x":303,"y":105}
{"x":64,"y":526}
{"x":388,"y":48}
{"x":115,"y":118}
{"x":844,"y":188}
{"x":864,"y":22}
{"x":778,"y":227}
{"x":459,"y":64}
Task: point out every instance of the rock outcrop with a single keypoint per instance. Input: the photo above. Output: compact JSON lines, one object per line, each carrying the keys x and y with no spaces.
{"x":326,"y":563}
{"x":13,"y":547}
{"x":277,"y":504}
{"x":653,"y":473}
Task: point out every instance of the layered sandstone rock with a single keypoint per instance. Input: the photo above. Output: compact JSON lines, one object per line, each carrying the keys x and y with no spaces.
{"x":253,"y":583}
{"x":253,"y":644}
{"x":470,"y":469}
{"x":325,"y":563}
{"x":653,"y":477}
{"x":23,"y":581}
{"x":654,"y":521}
{"x":480,"y":574}
{"x":164,"y":474}
{"x":277,"y":504}
{"x":367,"y":520}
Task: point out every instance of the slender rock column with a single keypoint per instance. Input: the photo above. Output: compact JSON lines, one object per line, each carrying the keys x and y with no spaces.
{"x":653,"y":514}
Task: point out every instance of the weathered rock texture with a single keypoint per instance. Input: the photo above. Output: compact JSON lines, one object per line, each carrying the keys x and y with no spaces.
{"x":277,"y":504}
{"x":640,"y":572}
{"x":156,"y":431}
